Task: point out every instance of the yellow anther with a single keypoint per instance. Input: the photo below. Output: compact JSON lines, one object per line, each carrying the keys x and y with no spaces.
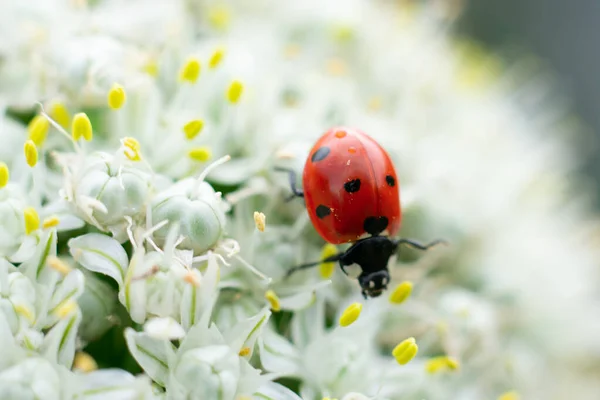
{"x":116,"y":96}
{"x":405,"y":351}
{"x":351,"y":314}
{"x":216,"y":57}
{"x":131,"y":148}
{"x":374,"y":103}
{"x":193,"y":128}
{"x":437,"y":364}
{"x":84,"y":362}
{"x":259,"y":221}
{"x":291,"y":50}
{"x":273,"y":300}
{"x":38,"y":129}
{"x":343,"y":33}
{"x":25,"y":312}
{"x":401,"y":292}
{"x":65,"y":309}
{"x":58,"y":265}
{"x":201,"y":154}
{"x":244,"y":351}
{"x":50,"y":222}
{"x":336,"y":67}
{"x":32,"y":220}
{"x":31,"y":153}
{"x":190,"y":70}
{"x":192,"y":279}
{"x":151,"y":68}
{"x":81,"y":127}
{"x":4,"y":174}
{"x":60,"y":114}
{"x":220,"y":17}
{"x":234,"y":91}
{"x":326,"y":268}
{"x":512,"y":395}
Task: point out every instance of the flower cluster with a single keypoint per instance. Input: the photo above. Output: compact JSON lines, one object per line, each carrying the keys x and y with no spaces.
{"x":145,"y":234}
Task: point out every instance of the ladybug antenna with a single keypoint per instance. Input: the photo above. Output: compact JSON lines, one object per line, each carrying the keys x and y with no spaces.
{"x":416,"y":245}
{"x":333,"y":258}
{"x":293,"y":181}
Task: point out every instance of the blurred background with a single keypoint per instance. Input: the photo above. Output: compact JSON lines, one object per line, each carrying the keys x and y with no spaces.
{"x":562,"y":34}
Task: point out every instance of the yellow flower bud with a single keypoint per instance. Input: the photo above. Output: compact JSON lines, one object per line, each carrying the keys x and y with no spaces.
{"x":81,"y":127}
{"x":193,"y":128}
{"x":60,"y":114}
{"x":401,"y":292}
{"x":351,"y":314}
{"x":326,"y":268}
{"x":4,"y":174}
{"x":216,"y":57}
{"x":116,"y":96}
{"x":201,"y":154}
{"x":31,"y":153}
{"x":273,"y":300}
{"x":190,"y":71}
{"x":405,"y":351}
{"x":38,"y":129}
{"x":234,"y":92}
{"x":32,"y":220}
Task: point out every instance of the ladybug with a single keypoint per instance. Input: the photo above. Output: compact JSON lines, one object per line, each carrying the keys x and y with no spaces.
{"x":352,"y":195}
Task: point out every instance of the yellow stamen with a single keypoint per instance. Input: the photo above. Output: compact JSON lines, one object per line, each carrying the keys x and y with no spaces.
{"x":84,"y":362}
{"x":336,"y":67}
{"x":273,"y":300}
{"x":38,"y":129}
{"x":437,"y":364}
{"x":81,"y":126}
{"x":401,"y":292}
{"x":220,"y":17}
{"x":66,"y":309}
{"x":132,"y":148}
{"x":31,"y":153}
{"x":343,"y":33}
{"x":60,"y":114}
{"x":291,"y":50}
{"x":405,"y":351}
{"x":190,"y":71}
{"x":32,"y":220}
{"x":193,"y":128}
{"x":326,"y":268}
{"x":25,"y":312}
{"x":201,"y":154}
{"x":216,"y":57}
{"x":4,"y":174}
{"x":374,"y":103}
{"x":244,"y":351}
{"x":151,"y":68}
{"x":512,"y":395}
{"x":234,"y":92}
{"x":259,"y":221}
{"x":58,"y":265}
{"x":50,"y":222}
{"x":351,"y":314}
{"x":116,"y":96}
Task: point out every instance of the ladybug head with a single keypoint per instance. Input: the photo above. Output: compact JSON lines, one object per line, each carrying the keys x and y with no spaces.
{"x":375,"y":283}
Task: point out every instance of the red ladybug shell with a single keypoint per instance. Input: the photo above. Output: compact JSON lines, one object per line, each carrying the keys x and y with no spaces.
{"x":350,"y":187}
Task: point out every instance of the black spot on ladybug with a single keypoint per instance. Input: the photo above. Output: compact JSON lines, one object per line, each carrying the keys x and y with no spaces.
{"x":390,"y":180}
{"x":352,"y":186}
{"x":320,"y":154}
{"x":375,"y":225}
{"x":323,"y":211}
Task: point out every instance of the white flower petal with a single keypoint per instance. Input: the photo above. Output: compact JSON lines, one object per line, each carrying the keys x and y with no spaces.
{"x":275,"y":391}
{"x":100,"y":253}
{"x":153,"y":355}
{"x":164,"y":328}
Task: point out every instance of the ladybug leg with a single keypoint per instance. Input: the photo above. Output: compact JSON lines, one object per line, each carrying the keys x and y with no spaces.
{"x":417,"y":245}
{"x":333,"y":258}
{"x":293,"y":181}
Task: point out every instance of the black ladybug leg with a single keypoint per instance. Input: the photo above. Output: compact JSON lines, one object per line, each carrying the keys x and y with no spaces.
{"x":293,"y":180}
{"x":333,"y":258}
{"x":418,"y":245}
